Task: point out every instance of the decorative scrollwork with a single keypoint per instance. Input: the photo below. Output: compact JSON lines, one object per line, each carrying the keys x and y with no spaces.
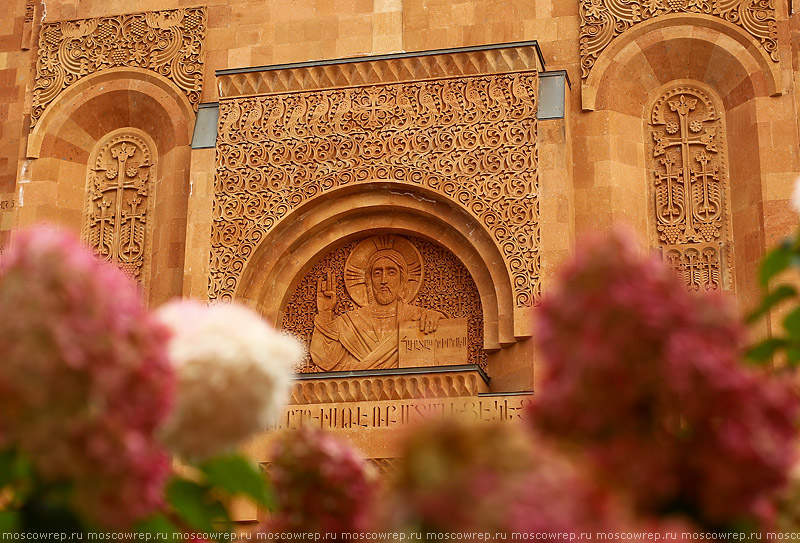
{"x":690,"y":187}
{"x":604,"y":20}
{"x":120,"y":181}
{"x":471,"y":139}
{"x":168,"y":42}
{"x":448,"y":287}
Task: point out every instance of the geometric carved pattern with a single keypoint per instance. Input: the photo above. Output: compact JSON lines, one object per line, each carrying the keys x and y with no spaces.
{"x":119,"y":199}
{"x":447,"y":287}
{"x":472,"y":140}
{"x":387,"y":387}
{"x":168,"y":42}
{"x":386,"y":468}
{"x":689,"y":183}
{"x":603,"y":20}
{"x":29,"y":9}
{"x":519,"y":58}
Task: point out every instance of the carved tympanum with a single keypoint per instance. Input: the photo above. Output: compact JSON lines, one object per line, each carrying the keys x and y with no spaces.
{"x":120,"y":179}
{"x":471,"y":140}
{"x":689,"y":183}
{"x":337,"y":309}
{"x":168,"y":42}
{"x":604,"y":20}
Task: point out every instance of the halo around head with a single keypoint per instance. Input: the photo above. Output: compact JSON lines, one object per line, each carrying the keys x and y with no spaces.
{"x":356,"y":273}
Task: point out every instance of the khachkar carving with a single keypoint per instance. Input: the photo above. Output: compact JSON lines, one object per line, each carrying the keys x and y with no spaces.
{"x":435,"y":280}
{"x":472,"y":140}
{"x":168,"y":42}
{"x":603,"y":20}
{"x":690,"y":187}
{"x":116,"y":224}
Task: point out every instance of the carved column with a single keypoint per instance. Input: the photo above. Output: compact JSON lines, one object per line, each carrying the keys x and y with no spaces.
{"x":118,"y":211}
{"x":690,"y":187}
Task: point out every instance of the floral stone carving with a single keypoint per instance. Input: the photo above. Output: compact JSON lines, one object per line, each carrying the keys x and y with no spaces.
{"x":604,"y":20}
{"x":116,"y":224}
{"x":470,"y":139}
{"x":168,"y":42}
{"x":690,"y":187}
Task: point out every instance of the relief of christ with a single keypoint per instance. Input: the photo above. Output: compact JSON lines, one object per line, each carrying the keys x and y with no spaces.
{"x":382,"y":274}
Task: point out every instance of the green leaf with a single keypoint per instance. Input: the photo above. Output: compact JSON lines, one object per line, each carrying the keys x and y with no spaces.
{"x":195,"y":506}
{"x":158,"y":524}
{"x":775,"y":262}
{"x":762,"y":352}
{"x":237,"y":475}
{"x":793,"y":356}
{"x":9,"y":522}
{"x":792,"y":323}
{"x":781,"y":293}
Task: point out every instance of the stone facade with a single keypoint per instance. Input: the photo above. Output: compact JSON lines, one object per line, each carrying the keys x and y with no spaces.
{"x":413,"y":127}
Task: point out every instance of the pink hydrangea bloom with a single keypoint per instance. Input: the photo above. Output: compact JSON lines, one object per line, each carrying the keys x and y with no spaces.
{"x":84,"y":376}
{"x":456,"y":477}
{"x":646,"y":379}
{"x":321,"y":484}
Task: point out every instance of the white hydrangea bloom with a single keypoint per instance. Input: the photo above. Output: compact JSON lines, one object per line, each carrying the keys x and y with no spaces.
{"x":233,"y":376}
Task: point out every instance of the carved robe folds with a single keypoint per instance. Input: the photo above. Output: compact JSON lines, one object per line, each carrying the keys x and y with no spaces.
{"x":354,"y":341}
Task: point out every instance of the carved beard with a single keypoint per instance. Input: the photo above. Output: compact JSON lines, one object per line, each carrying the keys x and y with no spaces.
{"x":384,"y":297}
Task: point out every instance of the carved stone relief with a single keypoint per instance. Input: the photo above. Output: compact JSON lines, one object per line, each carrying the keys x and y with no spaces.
{"x":689,"y":184}
{"x":168,"y":42}
{"x":470,"y":139}
{"x":604,"y":20}
{"x":435,"y":285}
{"x":119,"y":201}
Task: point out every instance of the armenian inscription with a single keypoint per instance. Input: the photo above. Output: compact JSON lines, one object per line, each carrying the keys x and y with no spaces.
{"x":395,"y":414}
{"x":445,"y":346}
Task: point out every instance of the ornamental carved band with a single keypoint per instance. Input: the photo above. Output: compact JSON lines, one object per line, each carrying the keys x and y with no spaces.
{"x":470,"y":139}
{"x":168,"y":42}
{"x":116,"y":224}
{"x":689,"y":184}
{"x":603,"y":20}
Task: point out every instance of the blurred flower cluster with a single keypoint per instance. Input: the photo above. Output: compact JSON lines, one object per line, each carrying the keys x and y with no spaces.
{"x":638,"y":368}
{"x":89,"y":379}
{"x":321,"y":485}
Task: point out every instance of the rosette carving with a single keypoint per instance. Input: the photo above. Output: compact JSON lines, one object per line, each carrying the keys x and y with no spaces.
{"x":168,"y":42}
{"x":470,"y":139}
{"x":604,"y":20}
{"x":690,"y":187}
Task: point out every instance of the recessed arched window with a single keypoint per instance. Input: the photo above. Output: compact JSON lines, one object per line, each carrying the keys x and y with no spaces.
{"x":689,"y":186}
{"x":119,"y":200}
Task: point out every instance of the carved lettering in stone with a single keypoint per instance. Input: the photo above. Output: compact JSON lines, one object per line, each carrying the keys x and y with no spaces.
{"x":690,"y":187}
{"x":116,"y":226}
{"x":444,"y":346}
{"x":168,"y":42}
{"x":439,"y":281}
{"x":604,"y":20}
{"x":391,"y":414}
{"x":472,"y":140}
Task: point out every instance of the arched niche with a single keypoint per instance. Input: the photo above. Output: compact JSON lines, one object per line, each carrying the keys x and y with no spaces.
{"x":70,"y":129}
{"x":283,"y":257}
{"x":684,"y":45}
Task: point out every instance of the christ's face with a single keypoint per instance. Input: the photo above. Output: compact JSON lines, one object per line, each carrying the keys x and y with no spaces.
{"x":386,"y":279}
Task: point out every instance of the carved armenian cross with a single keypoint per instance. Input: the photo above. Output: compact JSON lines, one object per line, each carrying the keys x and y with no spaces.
{"x":118,"y":191}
